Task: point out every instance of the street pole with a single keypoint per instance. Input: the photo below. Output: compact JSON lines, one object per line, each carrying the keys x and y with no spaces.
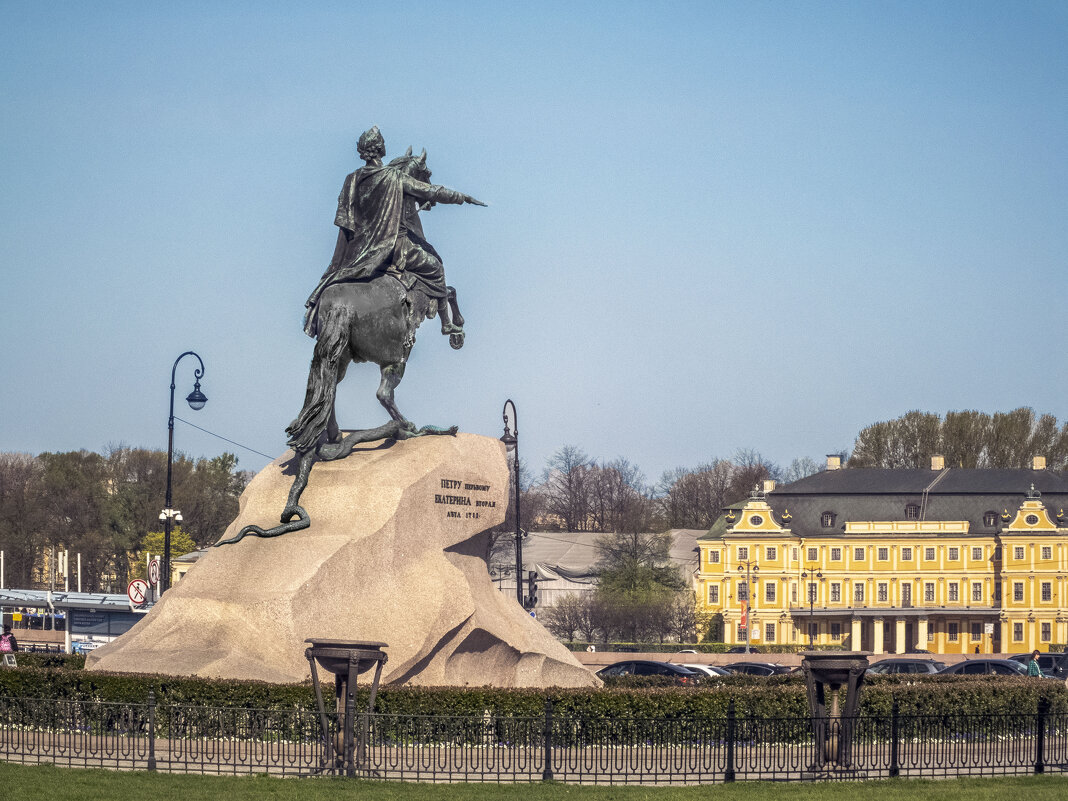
{"x":749,"y":567}
{"x":196,"y":400}
{"x":510,"y":438}
{"x":811,"y":590}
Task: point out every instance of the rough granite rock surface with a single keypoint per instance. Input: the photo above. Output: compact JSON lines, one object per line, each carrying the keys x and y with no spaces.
{"x":394,"y":553}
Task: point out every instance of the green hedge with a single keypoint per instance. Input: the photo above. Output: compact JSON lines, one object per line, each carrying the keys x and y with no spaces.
{"x":778,"y":696}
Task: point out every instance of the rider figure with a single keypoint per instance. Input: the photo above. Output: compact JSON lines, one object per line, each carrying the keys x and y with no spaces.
{"x":379,"y":230}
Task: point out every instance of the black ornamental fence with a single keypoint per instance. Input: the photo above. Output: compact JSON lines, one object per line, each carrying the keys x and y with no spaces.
{"x":551,"y":746}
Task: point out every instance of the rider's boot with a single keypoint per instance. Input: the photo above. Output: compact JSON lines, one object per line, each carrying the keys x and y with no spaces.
{"x":447,"y":328}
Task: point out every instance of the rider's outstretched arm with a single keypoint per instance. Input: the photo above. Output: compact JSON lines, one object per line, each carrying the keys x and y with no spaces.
{"x":436,"y":194}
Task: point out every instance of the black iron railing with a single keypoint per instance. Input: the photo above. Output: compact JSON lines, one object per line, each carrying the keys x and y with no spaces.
{"x":563,"y":747}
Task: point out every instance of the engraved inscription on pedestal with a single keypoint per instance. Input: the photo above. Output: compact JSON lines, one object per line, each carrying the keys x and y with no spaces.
{"x":463,"y":494}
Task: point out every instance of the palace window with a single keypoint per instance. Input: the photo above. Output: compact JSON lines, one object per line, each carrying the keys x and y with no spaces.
{"x":814,"y":631}
{"x":954,"y":591}
{"x":813,"y":554}
{"x":713,"y":557}
{"x":743,"y":591}
{"x":953,"y":554}
{"x":1047,"y":591}
{"x":1046,"y":633}
{"x":977,"y":554}
{"x":836,"y":554}
{"x":928,"y":592}
{"x":990,"y":518}
{"x":793,"y":593}
{"x":771,"y":553}
{"x":741,"y":634}
{"x":977,"y":632}
{"x":836,"y":631}
{"x":713,"y":594}
{"x":953,"y":631}
{"x":836,"y":592}
{"x":827,"y":519}
{"x":769,"y":632}
{"x":906,"y":554}
{"x":1047,"y":552}
{"x":883,"y":554}
{"x":1018,"y":553}
{"x":912,"y":512}
{"x":997,"y":592}
{"x":812,"y":592}
{"x":769,"y":592}
{"x":929,"y":554}
{"x":858,"y":593}
{"x":1017,"y":591}
{"x":977,"y":591}
{"x":906,"y":595}
{"x":1017,"y":632}
{"x":793,"y":554}
{"x":883,"y":592}
{"x":743,"y":552}
{"x":858,"y":554}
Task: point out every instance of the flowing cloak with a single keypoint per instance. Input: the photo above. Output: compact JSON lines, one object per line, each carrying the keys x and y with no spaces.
{"x":370,"y":216}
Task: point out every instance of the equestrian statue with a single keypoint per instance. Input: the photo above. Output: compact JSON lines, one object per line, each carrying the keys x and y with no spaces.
{"x":382,"y":282}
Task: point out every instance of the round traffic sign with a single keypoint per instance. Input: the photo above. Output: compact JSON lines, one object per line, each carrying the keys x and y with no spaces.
{"x":153,"y":572}
{"x":137,"y":592}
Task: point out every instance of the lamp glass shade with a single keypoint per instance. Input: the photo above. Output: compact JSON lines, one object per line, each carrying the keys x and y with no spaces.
{"x":196,"y":399}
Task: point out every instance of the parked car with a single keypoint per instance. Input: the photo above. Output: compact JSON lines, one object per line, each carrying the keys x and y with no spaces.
{"x":971,"y":667}
{"x":708,"y":670}
{"x":906,"y":665}
{"x":643,"y":667}
{"x":757,"y":668}
{"x":740,"y":649}
{"x":1053,"y":665}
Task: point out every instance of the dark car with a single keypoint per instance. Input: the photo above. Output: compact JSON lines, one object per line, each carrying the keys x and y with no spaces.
{"x":906,"y":665}
{"x":757,"y":668}
{"x":972,"y":667}
{"x":643,"y":667}
{"x":1052,"y":665}
{"x":740,"y":649}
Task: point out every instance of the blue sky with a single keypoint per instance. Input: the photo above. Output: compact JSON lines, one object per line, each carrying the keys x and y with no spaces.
{"x":712,"y":225}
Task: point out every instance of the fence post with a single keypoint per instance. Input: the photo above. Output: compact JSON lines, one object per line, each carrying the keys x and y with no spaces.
{"x":1040,"y":735}
{"x":895,"y":741}
{"x":547,"y":740}
{"x":728,"y":774}
{"x":151,"y":730}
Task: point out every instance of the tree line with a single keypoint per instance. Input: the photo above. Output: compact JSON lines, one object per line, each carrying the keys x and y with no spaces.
{"x":105,"y":507}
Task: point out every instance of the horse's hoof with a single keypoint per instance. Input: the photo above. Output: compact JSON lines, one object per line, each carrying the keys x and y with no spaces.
{"x":456,"y":340}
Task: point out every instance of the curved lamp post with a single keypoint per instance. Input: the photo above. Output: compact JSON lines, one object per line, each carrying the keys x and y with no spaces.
{"x":196,"y":400}
{"x":751,"y":568}
{"x":510,"y":438}
{"x":810,"y":588}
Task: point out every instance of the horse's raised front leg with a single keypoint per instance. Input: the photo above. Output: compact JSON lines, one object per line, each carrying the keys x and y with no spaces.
{"x":455,"y":340}
{"x":391,"y":376}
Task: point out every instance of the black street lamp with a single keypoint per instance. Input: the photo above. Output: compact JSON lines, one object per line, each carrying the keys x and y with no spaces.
{"x":196,"y":400}
{"x":750,"y":568}
{"x":510,"y":438}
{"x":810,"y":588}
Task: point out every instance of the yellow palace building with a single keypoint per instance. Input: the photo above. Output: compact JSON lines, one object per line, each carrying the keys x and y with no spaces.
{"x":943,"y":560}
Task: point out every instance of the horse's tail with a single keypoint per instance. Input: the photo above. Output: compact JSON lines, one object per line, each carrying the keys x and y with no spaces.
{"x":333,"y":339}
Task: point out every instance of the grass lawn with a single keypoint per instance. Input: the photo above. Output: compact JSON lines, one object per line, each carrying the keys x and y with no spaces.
{"x":19,"y":782}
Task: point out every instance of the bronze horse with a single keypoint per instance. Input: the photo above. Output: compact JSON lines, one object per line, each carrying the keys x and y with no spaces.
{"x":359,"y":321}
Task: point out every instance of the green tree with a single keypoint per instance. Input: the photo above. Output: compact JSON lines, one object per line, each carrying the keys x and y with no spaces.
{"x":153,"y":543}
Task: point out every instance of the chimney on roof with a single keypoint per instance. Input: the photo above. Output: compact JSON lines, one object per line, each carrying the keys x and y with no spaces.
{"x":834,"y":461}
{"x":938,"y":462}
{"x":1038,"y":463}
{"x":769,"y":485}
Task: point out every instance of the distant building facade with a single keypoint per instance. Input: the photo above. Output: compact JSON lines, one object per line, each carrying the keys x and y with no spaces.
{"x":890,"y":561}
